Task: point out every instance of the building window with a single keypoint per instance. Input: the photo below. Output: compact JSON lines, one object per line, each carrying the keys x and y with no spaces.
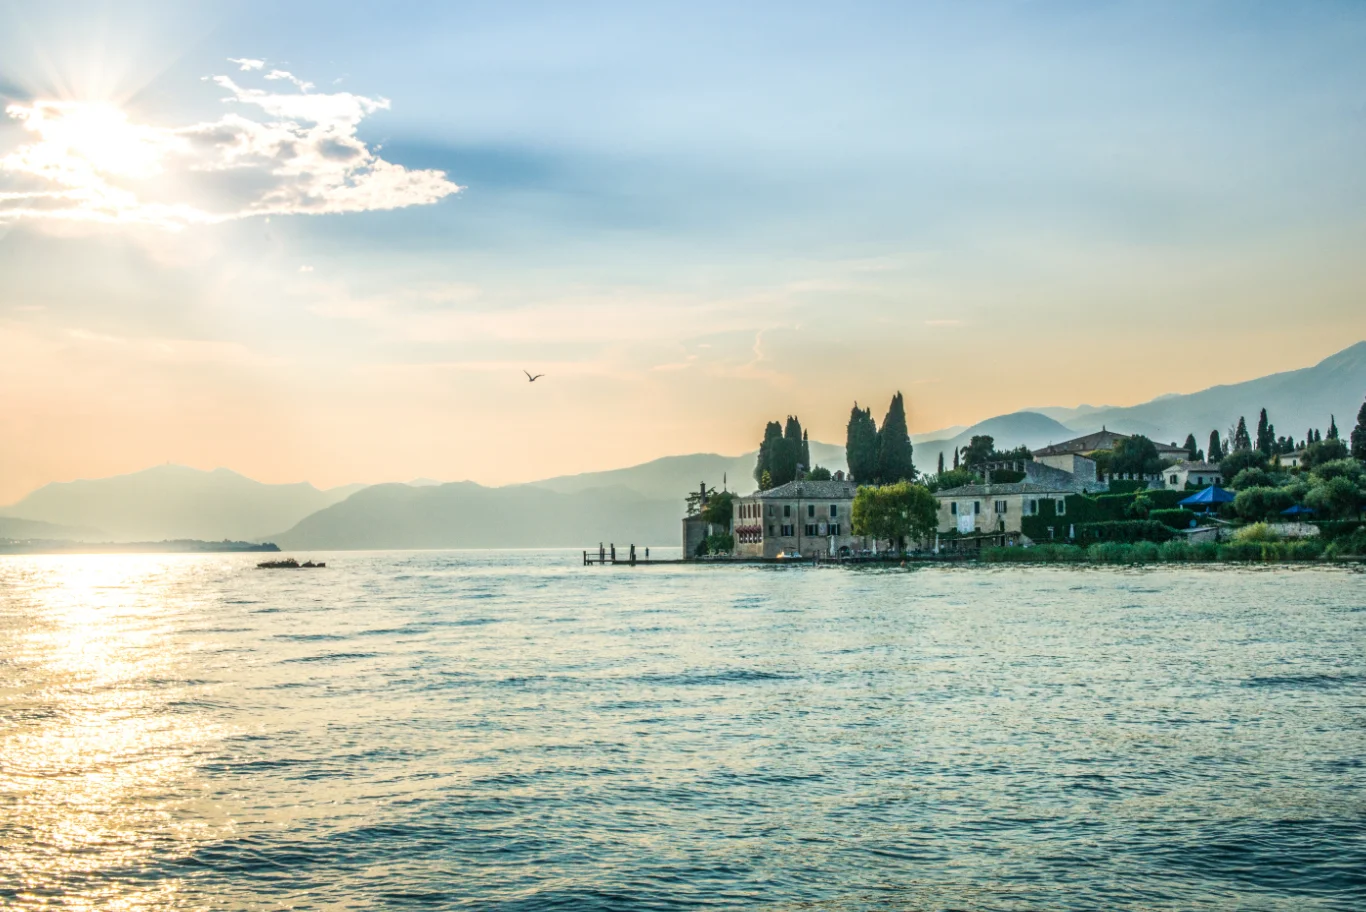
{"x":1172,"y":479}
{"x":835,"y":529}
{"x":1000,"y":506}
{"x":811,"y":529}
{"x":787,"y":510}
{"x":770,"y":530}
{"x":976,"y":507}
{"x":1059,"y":507}
{"x":810,"y":510}
{"x":953,"y":508}
{"x":834,"y":511}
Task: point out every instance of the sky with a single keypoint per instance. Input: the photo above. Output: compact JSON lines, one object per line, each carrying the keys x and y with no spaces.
{"x":322,"y":241}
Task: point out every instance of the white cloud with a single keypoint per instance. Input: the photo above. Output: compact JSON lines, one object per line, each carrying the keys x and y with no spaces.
{"x":90,"y":162}
{"x":247,"y":63}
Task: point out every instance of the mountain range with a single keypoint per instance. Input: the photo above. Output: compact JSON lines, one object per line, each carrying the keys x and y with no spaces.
{"x":640,"y":504}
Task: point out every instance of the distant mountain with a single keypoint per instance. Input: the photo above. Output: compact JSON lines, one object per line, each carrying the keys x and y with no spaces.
{"x":468,"y":515}
{"x":24,"y":529}
{"x":1294,"y":400}
{"x":1029,"y":428}
{"x":174,"y":502}
{"x":672,"y":477}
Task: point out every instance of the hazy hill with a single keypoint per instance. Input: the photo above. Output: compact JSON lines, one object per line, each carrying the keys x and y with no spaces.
{"x":672,"y":477}
{"x":23,"y":529}
{"x":171,"y":502}
{"x":1009,"y":431}
{"x":468,"y":515}
{"x":1294,"y":400}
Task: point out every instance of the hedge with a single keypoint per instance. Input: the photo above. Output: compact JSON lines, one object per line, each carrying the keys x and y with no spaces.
{"x":1333,"y":530}
{"x":1115,"y":552}
{"x":1179,"y":518}
{"x":1127,"y":530}
{"x":1083,"y":509}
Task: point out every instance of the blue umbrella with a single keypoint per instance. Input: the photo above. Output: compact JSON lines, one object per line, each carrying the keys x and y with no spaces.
{"x":1298,"y":510}
{"x":1208,"y":497}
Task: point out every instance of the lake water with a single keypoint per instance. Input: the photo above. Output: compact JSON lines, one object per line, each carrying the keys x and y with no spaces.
{"x":509,"y":730}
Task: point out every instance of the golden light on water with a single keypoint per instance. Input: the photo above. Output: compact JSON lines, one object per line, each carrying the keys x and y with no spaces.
{"x":94,"y":741}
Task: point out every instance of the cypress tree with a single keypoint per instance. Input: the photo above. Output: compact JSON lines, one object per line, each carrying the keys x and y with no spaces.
{"x":1192,"y":448}
{"x":1216,"y":452}
{"x":860,"y":445}
{"x":1241,"y":439}
{"x":1318,"y":436}
{"x":894,"y":451}
{"x":1359,"y":435}
{"x":806,"y":452}
{"x":768,"y":453}
{"x":1332,"y":427}
{"x":1265,"y":438}
{"x":941,"y":462}
{"x":955,"y":458}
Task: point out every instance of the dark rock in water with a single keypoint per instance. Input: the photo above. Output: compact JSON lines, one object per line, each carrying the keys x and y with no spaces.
{"x":290,"y":563}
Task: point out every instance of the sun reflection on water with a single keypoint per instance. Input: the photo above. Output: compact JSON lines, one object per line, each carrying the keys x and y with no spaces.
{"x":98,"y":728}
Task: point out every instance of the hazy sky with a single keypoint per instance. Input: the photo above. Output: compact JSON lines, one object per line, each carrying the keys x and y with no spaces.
{"x":316,"y":242}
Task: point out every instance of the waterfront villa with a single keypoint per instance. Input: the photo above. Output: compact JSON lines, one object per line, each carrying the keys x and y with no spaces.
{"x":985,"y":515}
{"x":810,"y":518}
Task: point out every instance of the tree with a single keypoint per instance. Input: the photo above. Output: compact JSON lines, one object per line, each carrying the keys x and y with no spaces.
{"x":894,"y":451}
{"x":1255,"y":504}
{"x":1359,"y":435}
{"x":955,"y":458}
{"x":1240,"y":437}
{"x":1339,"y":468}
{"x":940,"y":470}
{"x":954,"y":479}
{"x":1252,"y":477}
{"x":1332,"y":427}
{"x":1238,"y":460}
{"x":1216,"y":452}
{"x":719,"y":509}
{"x":860,"y":445}
{"x":1337,"y":498}
{"x":1266,"y":437}
{"x":979,"y":450}
{"x":806,"y":452}
{"x":1321,"y":451}
{"x":1192,"y":448}
{"x":818,"y":473}
{"x":1136,"y":454}
{"x":895,"y":513}
{"x":697,"y":502}
{"x":768,"y":453}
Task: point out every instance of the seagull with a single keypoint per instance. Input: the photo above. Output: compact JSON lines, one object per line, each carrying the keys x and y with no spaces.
{"x":531,"y":378}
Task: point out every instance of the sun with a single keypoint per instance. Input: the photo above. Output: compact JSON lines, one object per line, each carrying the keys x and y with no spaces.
{"x":94,"y":136}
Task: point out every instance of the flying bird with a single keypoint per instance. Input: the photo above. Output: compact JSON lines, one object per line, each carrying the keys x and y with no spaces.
{"x":530,"y":378}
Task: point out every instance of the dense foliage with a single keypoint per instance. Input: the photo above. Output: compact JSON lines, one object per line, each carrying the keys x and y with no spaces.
{"x":1359,"y":435}
{"x":784,"y":450}
{"x":818,"y":473}
{"x":897,"y":513}
{"x":860,"y":445}
{"x":954,"y":478}
{"x":894,"y":451}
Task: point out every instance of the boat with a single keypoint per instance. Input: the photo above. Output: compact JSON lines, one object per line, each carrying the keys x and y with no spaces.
{"x":290,"y":563}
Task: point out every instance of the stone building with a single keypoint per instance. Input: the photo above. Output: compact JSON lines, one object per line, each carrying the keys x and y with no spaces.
{"x":983,"y":515}
{"x":810,"y":518}
{"x":1200,"y":474}
{"x":1088,"y":444}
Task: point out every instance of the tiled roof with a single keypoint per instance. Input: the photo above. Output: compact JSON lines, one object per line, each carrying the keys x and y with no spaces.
{"x":1195,"y":467}
{"x":1100,"y":440}
{"x":813,"y":490}
{"x":988,"y":490}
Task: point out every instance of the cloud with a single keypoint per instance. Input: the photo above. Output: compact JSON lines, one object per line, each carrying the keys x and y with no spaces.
{"x":90,"y":162}
{"x":247,"y":63}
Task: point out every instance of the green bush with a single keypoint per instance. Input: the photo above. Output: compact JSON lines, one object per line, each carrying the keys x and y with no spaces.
{"x":1252,"y":477}
{"x":716,"y":544}
{"x":1126,"y":530}
{"x":1353,"y":545}
{"x":1180,"y":518}
{"x":1044,"y":554}
{"x":1300,"y":550}
{"x":1125,"y":486}
{"x":1334,"y":530}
